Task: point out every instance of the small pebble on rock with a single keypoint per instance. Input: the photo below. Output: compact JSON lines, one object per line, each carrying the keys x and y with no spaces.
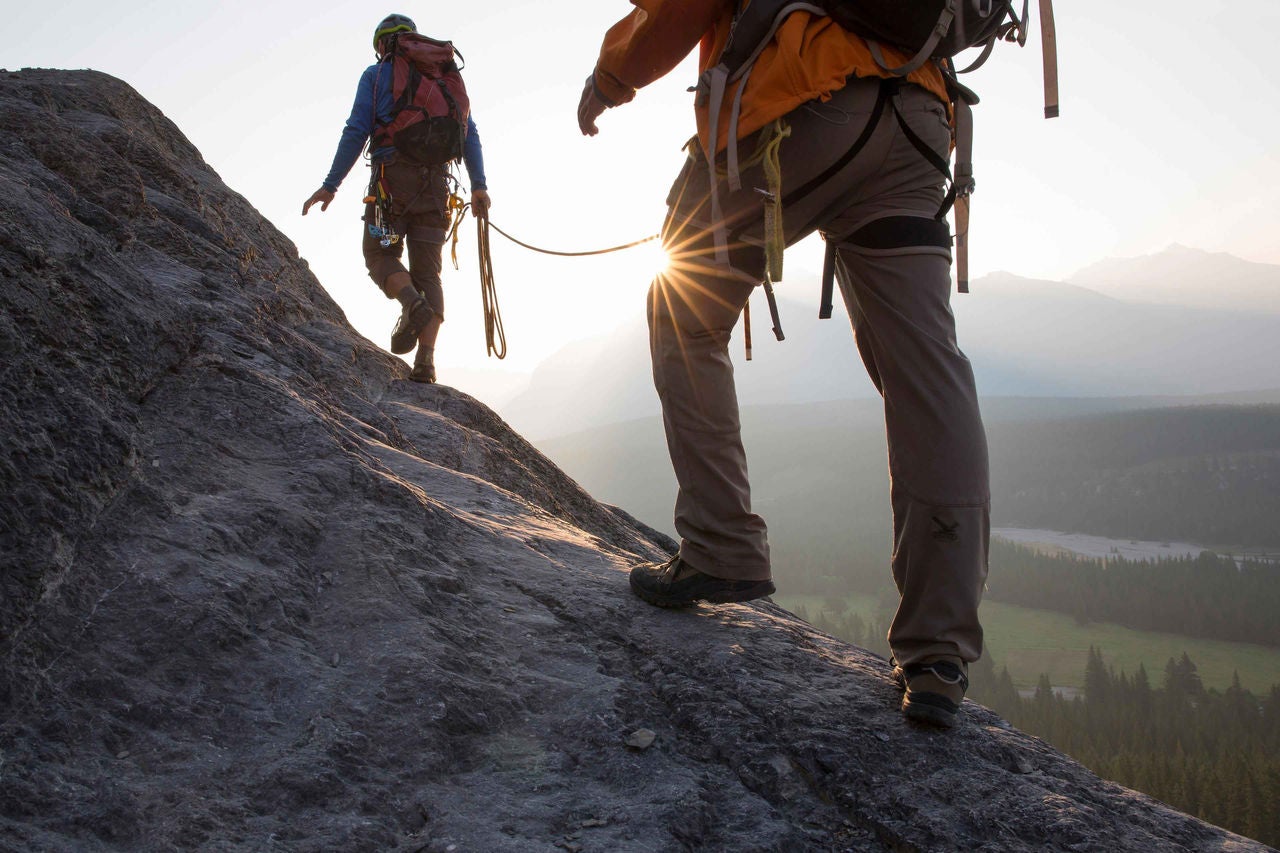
{"x":641,"y":739}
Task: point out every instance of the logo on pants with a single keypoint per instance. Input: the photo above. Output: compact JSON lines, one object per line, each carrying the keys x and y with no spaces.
{"x":944,"y":532}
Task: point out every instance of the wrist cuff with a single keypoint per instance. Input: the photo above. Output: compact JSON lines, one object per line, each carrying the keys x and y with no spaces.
{"x":600,"y":95}
{"x":609,"y":89}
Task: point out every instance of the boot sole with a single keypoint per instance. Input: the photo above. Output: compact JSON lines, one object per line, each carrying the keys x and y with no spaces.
{"x":751,"y":593}
{"x":929,"y":714}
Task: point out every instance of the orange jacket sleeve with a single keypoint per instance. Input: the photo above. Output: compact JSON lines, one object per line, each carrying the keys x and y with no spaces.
{"x":651,"y":41}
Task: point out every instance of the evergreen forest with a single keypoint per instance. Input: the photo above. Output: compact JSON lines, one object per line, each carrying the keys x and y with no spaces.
{"x":1208,"y":596}
{"x":1208,"y":474}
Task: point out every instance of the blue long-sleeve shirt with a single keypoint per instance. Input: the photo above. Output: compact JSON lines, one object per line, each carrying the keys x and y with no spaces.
{"x":360,"y":126}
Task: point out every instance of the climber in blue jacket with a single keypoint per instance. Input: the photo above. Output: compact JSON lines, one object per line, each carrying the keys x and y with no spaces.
{"x":408,"y":200}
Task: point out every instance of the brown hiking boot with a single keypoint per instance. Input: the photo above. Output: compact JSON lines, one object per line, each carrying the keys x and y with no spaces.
{"x":675,"y":583}
{"x":404,"y":337}
{"x":425,"y":372}
{"x":933,"y":690}
{"x":424,"y":366}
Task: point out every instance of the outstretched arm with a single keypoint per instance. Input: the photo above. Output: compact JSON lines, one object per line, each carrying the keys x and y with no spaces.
{"x":354,"y":135}
{"x":642,"y":47}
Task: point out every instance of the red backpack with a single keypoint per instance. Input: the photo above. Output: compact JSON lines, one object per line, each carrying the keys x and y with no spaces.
{"x":430,"y":103}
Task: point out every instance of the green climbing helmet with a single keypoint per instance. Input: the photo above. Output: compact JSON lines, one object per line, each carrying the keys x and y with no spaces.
{"x":393,"y":24}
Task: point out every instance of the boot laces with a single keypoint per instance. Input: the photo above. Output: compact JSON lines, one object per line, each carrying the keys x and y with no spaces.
{"x":669,"y":570}
{"x":941,"y":674}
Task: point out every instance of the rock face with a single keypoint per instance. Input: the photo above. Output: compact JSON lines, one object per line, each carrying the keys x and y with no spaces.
{"x":260,"y":592}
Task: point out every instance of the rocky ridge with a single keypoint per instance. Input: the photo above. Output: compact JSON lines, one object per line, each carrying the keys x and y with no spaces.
{"x":259,"y":592}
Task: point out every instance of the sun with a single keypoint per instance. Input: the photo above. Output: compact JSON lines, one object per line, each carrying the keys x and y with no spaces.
{"x":653,"y":256}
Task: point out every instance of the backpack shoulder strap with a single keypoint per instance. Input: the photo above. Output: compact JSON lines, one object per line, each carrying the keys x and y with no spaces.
{"x":753,"y":29}
{"x":1049,"y":47}
{"x":925,"y":51}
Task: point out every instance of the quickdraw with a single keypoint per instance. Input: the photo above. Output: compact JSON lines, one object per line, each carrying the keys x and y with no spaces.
{"x":381,"y":227}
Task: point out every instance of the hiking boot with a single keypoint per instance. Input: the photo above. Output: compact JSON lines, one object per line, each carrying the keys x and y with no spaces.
{"x":675,"y":583}
{"x":425,"y":372}
{"x":404,"y":337}
{"x":932,"y":690}
{"x":424,"y":366}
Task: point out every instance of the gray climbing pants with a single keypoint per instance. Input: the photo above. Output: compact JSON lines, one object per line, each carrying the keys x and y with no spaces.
{"x":852,"y":172}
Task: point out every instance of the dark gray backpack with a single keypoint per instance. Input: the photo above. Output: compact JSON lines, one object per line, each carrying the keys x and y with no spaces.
{"x":927,"y":29}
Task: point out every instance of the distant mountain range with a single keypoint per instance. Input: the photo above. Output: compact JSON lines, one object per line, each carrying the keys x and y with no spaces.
{"x":1189,"y":277}
{"x":1025,"y":337}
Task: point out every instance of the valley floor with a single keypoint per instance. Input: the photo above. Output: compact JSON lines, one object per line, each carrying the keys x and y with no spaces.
{"x":1031,"y":642}
{"x":1088,"y":545}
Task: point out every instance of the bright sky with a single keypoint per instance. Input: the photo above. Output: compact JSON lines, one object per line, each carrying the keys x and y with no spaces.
{"x":1168,"y":134}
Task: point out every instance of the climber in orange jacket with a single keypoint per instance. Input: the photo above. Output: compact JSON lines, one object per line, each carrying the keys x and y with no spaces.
{"x":859,"y":153}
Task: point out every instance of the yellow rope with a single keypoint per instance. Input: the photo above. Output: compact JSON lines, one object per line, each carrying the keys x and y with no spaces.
{"x":494,"y":336}
{"x":775,"y":239}
{"x":457,"y":209}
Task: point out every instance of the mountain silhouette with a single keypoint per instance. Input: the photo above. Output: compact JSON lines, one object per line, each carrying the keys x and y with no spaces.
{"x":260,"y":592}
{"x":1181,"y":275}
{"x":1025,"y":337}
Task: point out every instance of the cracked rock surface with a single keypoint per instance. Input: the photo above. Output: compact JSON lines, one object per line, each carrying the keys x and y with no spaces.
{"x":260,"y":592}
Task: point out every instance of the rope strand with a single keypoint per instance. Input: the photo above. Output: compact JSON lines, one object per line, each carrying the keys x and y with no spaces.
{"x":630,"y":245}
{"x":494,"y":337}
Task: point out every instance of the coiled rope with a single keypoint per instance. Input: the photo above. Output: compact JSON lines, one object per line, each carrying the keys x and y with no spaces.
{"x":495,"y":338}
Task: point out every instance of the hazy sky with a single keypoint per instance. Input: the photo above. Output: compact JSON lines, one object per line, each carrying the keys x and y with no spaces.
{"x":1168,"y":133}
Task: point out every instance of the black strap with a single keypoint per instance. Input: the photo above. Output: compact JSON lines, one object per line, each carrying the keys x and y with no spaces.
{"x":901,"y":232}
{"x":454,"y":110}
{"x":828,"y":280}
{"x":410,"y":92}
{"x":773,"y":310}
{"x":935,"y":159}
{"x":889,"y":232}
{"x":379,"y":138}
{"x":886,"y":88}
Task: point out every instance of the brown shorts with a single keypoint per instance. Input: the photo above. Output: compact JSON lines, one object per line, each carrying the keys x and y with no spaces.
{"x":420,"y":215}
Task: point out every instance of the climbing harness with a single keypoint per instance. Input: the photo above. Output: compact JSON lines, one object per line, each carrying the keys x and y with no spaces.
{"x":939,"y":30}
{"x":381,"y":227}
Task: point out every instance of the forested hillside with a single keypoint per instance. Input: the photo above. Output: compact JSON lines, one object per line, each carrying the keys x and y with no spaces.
{"x":1208,"y":474}
{"x":1204,"y":596}
{"x":1213,"y":754}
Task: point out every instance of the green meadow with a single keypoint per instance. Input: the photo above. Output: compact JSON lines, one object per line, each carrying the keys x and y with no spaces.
{"x":1031,"y":642}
